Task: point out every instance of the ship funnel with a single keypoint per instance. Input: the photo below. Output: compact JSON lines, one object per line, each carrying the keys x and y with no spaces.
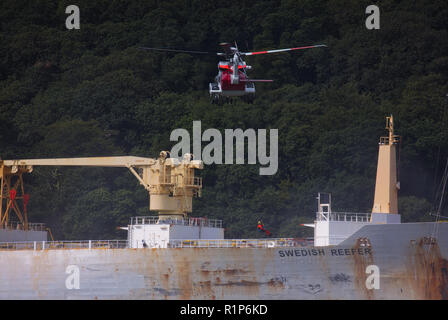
{"x":386,"y":187}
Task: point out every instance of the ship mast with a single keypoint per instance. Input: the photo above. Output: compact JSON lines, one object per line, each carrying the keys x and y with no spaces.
{"x":386,"y":187}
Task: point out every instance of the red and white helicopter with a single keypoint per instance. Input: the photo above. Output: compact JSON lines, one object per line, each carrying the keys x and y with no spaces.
{"x":232,"y":79}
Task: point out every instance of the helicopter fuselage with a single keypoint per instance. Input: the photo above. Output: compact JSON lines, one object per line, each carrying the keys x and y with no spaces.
{"x":231,"y":81}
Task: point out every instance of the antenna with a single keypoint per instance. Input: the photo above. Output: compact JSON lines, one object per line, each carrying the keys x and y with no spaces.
{"x":323,"y":206}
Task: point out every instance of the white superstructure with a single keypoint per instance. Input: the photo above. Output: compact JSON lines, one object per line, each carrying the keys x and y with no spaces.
{"x":157,"y":232}
{"x":331,"y":228}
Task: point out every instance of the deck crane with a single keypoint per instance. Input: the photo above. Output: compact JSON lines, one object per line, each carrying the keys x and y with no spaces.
{"x":170,"y":182}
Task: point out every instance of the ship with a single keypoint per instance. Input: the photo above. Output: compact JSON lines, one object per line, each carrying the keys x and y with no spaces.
{"x":172,"y":255}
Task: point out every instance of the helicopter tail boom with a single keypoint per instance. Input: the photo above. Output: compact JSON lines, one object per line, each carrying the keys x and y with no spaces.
{"x":281,"y":50}
{"x":256,"y":80}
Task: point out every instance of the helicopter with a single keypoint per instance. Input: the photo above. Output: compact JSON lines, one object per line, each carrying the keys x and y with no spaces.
{"x":232,"y":79}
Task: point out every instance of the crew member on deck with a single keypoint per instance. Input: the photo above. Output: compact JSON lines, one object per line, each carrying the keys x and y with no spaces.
{"x":261,"y":228}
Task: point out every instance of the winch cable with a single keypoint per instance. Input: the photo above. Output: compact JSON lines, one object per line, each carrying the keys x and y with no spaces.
{"x":442,"y":193}
{"x":441,"y":189}
{"x":436,"y":168}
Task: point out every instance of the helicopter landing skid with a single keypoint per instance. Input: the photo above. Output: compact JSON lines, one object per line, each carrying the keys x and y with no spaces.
{"x":215,"y":94}
{"x":218,"y":97}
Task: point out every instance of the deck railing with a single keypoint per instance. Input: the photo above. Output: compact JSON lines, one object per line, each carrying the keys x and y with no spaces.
{"x":14,"y":225}
{"x":49,"y":245}
{"x":181,"y":243}
{"x":343,"y":216}
{"x":203,"y":222}
{"x":241,"y":243}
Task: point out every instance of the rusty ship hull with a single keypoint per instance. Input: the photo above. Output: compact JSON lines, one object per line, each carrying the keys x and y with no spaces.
{"x":412,"y":259}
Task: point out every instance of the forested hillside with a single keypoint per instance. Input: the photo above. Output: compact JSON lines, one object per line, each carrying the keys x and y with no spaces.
{"x":92,"y":92}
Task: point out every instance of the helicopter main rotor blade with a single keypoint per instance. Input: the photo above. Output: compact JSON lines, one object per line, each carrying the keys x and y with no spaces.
{"x":183,"y":51}
{"x":281,"y":50}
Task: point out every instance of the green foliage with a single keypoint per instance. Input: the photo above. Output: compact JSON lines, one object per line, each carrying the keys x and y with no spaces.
{"x":415,"y":209}
{"x":92,"y":92}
